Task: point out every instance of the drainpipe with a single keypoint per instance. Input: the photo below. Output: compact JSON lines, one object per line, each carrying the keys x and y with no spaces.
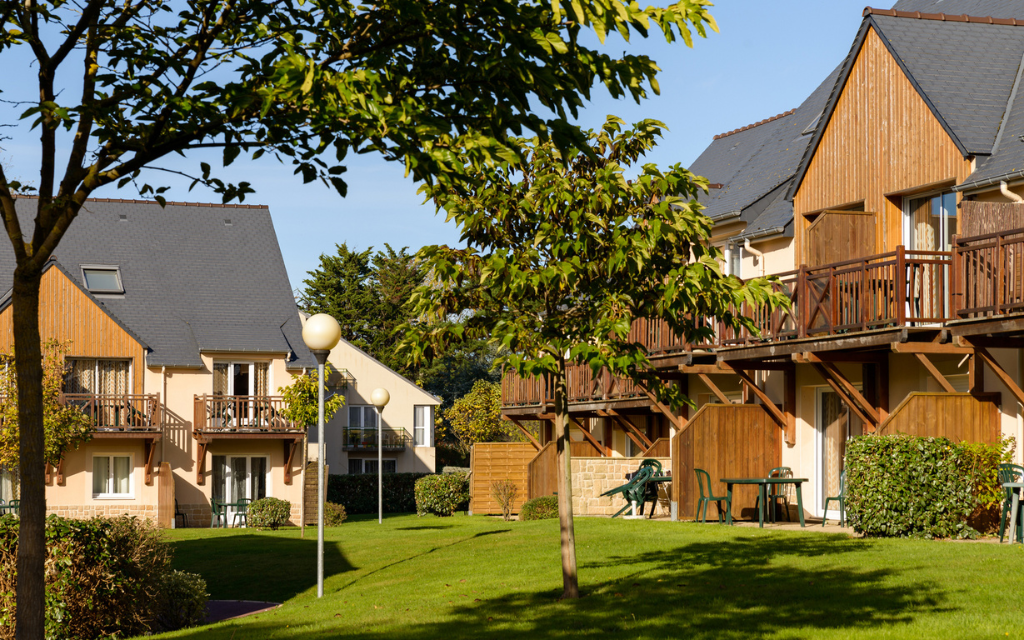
{"x":1005,"y":190}
{"x":754,"y":252}
{"x":728,"y":258}
{"x":163,"y":418}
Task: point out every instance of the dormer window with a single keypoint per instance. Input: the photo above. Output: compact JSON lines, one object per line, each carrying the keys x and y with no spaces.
{"x":102,"y":279}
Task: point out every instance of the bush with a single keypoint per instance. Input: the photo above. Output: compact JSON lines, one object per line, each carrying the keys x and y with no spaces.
{"x":102,"y":576}
{"x":899,"y":485}
{"x":455,"y":470}
{"x":182,"y":601}
{"x":505,"y":492}
{"x":542,"y":508}
{"x":442,"y":495}
{"x":985,"y":460}
{"x":334,"y":514}
{"x":358,"y":492}
{"x":268,"y":513}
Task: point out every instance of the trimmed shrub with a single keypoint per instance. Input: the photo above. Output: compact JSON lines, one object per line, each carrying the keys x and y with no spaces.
{"x":182,"y":601}
{"x":358,"y":492}
{"x":985,"y":461}
{"x":542,"y":508}
{"x":334,"y":514}
{"x":455,"y":470}
{"x":442,"y":495}
{"x":268,"y":513}
{"x":102,"y":577}
{"x":505,"y":493}
{"x":899,"y":485}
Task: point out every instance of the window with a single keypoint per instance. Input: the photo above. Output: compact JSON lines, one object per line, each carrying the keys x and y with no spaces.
{"x":736,"y":261}
{"x":931,"y":223}
{"x":422,"y":423}
{"x":370,"y":466}
{"x":112,"y":476}
{"x":102,"y":279}
{"x":237,"y":477}
{"x":97,"y":376}
{"x":241,"y":378}
{"x":6,"y":485}
{"x":362,"y":417}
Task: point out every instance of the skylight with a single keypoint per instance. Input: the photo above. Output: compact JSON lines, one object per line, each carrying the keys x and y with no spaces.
{"x":814,"y":124}
{"x":102,"y":279}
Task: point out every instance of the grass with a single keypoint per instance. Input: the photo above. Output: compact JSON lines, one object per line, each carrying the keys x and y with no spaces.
{"x":472,"y":577}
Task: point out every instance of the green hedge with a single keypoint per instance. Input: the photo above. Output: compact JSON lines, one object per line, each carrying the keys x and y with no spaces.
{"x":442,"y":495}
{"x":358,"y":492}
{"x":542,"y":508}
{"x":268,"y":513}
{"x":899,"y":485}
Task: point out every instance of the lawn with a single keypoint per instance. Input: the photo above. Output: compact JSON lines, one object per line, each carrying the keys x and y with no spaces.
{"x":471,"y":577}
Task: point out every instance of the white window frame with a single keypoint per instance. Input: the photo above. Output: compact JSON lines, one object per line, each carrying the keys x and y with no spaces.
{"x":131,"y":476}
{"x":907,"y":230}
{"x":252,"y":375}
{"x":363,"y":408}
{"x":103,"y":267}
{"x":96,"y":369}
{"x":819,"y":481}
{"x":363,"y":462}
{"x":428,"y":428}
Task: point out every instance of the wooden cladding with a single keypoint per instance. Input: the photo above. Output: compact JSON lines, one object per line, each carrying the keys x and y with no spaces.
{"x":957,"y":416}
{"x":67,"y":314}
{"x":881,"y":139}
{"x":840,"y":235}
{"x":727,"y":441}
{"x":493,"y":461}
{"x":982,"y":218}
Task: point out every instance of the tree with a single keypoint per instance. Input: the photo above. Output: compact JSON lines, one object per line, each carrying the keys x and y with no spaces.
{"x":563,"y":254}
{"x":476,"y":417}
{"x":340,"y":287}
{"x":65,"y":426}
{"x":302,"y":399}
{"x":307,"y":81}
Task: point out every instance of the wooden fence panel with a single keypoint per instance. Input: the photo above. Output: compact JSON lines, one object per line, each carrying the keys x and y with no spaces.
{"x":981,"y":218}
{"x":165,"y":496}
{"x":727,"y":441}
{"x":840,"y":235}
{"x":543,"y":472}
{"x":659,"y":449}
{"x":957,"y":416}
{"x":492,"y":461}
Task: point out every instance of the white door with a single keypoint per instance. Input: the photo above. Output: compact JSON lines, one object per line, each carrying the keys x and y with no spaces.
{"x":835,"y":425}
{"x":239,"y":477}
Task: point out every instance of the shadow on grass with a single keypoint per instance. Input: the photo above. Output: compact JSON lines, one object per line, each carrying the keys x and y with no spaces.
{"x":731,"y":589}
{"x":251,"y":566}
{"x":426,"y":527}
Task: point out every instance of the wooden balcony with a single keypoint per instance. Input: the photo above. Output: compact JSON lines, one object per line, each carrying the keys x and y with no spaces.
{"x":359,"y":439}
{"x":989,"y":272}
{"x":242,"y":415}
{"x":118,"y":412}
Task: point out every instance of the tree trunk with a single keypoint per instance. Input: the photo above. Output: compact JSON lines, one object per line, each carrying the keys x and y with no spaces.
{"x":570,"y":583}
{"x":31,"y":536}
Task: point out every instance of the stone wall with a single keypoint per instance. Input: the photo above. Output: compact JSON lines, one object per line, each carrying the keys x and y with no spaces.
{"x":593,"y":476}
{"x":84,"y":511}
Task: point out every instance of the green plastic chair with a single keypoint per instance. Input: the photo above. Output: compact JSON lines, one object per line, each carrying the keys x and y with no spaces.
{"x":706,"y":496}
{"x":778,"y":491}
{"x":1010,"y":473}
{"x":16,"y":510}
{"x":841,"y":499}
{"x":242,"y":512}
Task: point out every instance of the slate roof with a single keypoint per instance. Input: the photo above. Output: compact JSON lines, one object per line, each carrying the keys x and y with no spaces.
{"x":196,"y":277}
{"x":994,"y":8}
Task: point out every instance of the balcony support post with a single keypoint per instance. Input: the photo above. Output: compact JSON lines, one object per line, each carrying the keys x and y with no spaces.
{"x":849,"y":395}
{"x":590,"y":437}
{"x":941,"y":379}
{"x":150,"y":447}
{"x":1004,"y":377}
{"x":290,"y":447}
{"x":201,"y":446}
{"x":525,"y":431}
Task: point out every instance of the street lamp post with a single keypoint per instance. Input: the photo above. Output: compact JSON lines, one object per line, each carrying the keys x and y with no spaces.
{"x":380,"y":399}
{"x":321,"y":333}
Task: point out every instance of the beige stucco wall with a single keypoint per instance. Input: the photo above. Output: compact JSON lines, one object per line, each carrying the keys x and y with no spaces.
{"x":593,"y":476}
{"x":366,"y":374}
{"x":74,"y":498}
{"x":778,"y":258}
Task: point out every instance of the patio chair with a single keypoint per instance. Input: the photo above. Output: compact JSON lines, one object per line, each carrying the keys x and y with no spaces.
{"x":777,"y":492}
{"x":178,"y":513}
{"x":241,"y":512}
{"x":14,"y":506}
{"x":634,"y":490}
{"x":841,"y":499}
{"x":706,"y":496}
{"x":1010,"y":473}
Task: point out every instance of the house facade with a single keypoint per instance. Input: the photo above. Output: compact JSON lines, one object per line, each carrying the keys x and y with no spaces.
{"x":406,"y":423}
{"x":181,"y":329}
{"x":889,"y":206}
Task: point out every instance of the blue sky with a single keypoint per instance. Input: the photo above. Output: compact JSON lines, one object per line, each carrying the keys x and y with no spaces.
{"x":726,"y":81}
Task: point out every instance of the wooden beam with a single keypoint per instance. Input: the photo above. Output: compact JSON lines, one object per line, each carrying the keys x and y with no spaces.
{"x":975,"y":375}
{"x":289,"y":455}
{"x":756,"y":365}
{"x":590,"y":437}
{"x":526,"y":432}
{"x":862,"y":357}
{"x":1004,"y":377}
{"x":628,"y":425}
{"x":201,"y":446}
{"x":766,"y":402}
{"x":883,"y":391}
{"x":47,"y":473}
{"x":842,"y":394}
{"x":941,"y":379}
{"x":714,"y":389}
{"x":60,"y":470}
{"x":1004,"y":342}
{"x":931,"y":347}
{"x":668,"y":413}
{"x":852,"y":391}
{"x":1009,"y":325}
{"x":851,"y":342}
{"x":150,"y":449}
{"x":706,"y":369}
{"x":789,"y":405}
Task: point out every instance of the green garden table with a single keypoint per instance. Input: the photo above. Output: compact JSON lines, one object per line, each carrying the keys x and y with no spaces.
{"x":762,"y":490}
{"x":219,"y":507}
{"x":1015,"y":508}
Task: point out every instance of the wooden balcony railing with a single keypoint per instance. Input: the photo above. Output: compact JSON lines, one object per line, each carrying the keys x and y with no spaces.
{"x":118,"y":412}
{"x":989,"y":272}
{"x":216,"y":413}
{"x":365,"y":439}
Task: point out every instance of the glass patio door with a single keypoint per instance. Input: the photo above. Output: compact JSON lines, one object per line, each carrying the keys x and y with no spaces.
{"x":836,"y":425}
{"x":237,"y":477}
{"x":929,"y":225}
